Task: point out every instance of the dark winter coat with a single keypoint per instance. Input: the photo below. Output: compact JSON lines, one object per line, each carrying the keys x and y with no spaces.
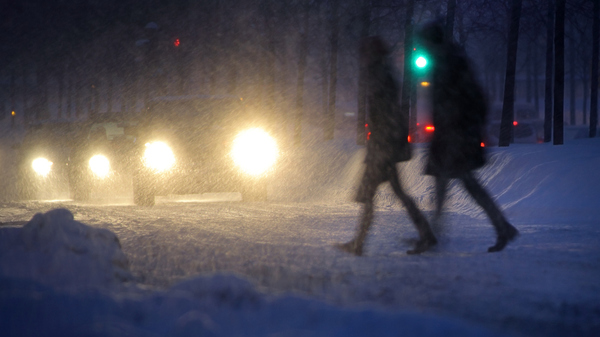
{"x":459,"y":114}
{"x":388,"y":141}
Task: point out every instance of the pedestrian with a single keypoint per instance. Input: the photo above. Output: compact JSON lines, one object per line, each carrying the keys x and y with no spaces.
{"x":459,"y":109}
{"x":386,"y":146}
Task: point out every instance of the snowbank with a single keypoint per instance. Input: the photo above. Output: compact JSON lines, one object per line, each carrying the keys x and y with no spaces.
{"x":522,"y":177}
{"x":60,"y":277}
{"x":54,"y":249}
{"x":219,"y":305}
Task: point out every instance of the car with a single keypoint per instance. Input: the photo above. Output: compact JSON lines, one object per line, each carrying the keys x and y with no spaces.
{"x":524,"y":132}
{"x":528,"y":127}
{"x":423,"y":133}
{"x":197,"y":144}
{"x":522,"y":112}
{"x":42,"y":159}
{"x":102,"y":153}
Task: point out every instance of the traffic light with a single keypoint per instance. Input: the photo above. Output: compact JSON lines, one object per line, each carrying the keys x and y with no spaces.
{"x":421,"y":60}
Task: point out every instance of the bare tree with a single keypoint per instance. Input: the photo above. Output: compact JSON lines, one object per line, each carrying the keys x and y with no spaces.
{"x":594,"y":93}
{"x":303,"y":53}
{"x":333,"y":64}
{"x":361,"y":118}
{"x":506,"y":126}
{"x":549,"y":72}
{"x":408,"y":78}
{"x":450,"y":19}
{"x":559,"y":72}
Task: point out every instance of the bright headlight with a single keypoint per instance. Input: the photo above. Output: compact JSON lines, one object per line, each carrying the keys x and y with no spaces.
{"x":254,"y":151}
{"x":100,"y":165}
{"x":158,"y":156}
{"x":41,"y":166}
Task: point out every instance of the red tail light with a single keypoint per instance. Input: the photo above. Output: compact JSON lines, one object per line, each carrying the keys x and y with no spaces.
{"x":429,"y":128}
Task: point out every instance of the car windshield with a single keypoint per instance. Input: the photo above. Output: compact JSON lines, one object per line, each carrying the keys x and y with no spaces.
{"x":55,"y":134}
{"x":203,"y":113}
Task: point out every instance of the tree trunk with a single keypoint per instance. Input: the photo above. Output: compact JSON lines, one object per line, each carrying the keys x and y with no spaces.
{"x":595,"y":56}
{"x":407,"y":80}
{"x":536,"y":80}
{"x":451,"y":10}
{"x":69,"y":89}
{"x":60,"y":74}
{"x":559,"y":72}
{"x":12,"y":96}
{"x":25,"y":93}
{"x":333,"y":42}
{"x":529,"y":66}
{"x":303,"y":48}
{"x":79,"y":92}
{"x":324,"y":88}
{"x":506,"y":126}
{"x":549,"y":73}
{"x":109,"y":91}
{"x":96,"y":99}
{"x":361,"y":118}
{"x":41,"y":92}
{"x":572,"y":83}
{"x":585,"y":96}
{"x":270,"y":78}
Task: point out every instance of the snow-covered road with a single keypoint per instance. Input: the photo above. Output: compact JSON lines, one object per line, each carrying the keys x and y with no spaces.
{"x":543,"y":284}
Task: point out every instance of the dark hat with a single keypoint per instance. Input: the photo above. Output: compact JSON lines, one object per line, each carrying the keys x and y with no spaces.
{"x":432,"y":32}
{"x":374,"y":46}
{"x":373,"y":49}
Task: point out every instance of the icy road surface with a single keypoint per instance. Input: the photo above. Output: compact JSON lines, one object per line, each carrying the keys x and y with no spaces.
{"x":545,"y":283}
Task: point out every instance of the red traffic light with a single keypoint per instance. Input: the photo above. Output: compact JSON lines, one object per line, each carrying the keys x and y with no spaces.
{"x":176,"y":43}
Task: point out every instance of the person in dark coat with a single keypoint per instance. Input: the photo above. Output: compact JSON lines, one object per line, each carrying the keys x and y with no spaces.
{"x":459,"y":109}
{"x":386,"y":146}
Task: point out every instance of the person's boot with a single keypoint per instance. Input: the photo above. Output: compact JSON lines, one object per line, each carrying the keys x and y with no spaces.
{"x":427,"y":241}
{"x":352,"y":247}
{"x":508,"y":234}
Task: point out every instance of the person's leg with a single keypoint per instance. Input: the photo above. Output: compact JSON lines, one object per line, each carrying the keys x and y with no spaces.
{"x":505,"y":231}
{"x":426,"y":237}
{"x":441,"y":187}
{"x":366,"y":196}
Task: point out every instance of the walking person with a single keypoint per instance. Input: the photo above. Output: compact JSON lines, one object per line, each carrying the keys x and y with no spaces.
{"x":459,"y":110}
{"x":388,"y":145}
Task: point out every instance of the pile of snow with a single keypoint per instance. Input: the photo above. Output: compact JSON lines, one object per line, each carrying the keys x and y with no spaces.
{"x":522,"y":177}
{"x":59,"y":277}
{"x":54,"y":249}
{"x":219,"y":305}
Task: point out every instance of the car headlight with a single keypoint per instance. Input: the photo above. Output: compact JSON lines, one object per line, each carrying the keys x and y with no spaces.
{"x":99,"y":165}
{"x":41,"y":166}
{"x":254,"y":151}
{"x":158,"y":156}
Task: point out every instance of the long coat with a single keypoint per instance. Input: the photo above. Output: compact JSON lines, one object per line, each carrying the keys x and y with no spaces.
{"x":459,"y":114}
{"x":388,"y":125}
{"x":388,"y":143}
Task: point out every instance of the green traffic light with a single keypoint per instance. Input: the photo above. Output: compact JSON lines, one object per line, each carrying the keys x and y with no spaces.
{"x":421,"y":62}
